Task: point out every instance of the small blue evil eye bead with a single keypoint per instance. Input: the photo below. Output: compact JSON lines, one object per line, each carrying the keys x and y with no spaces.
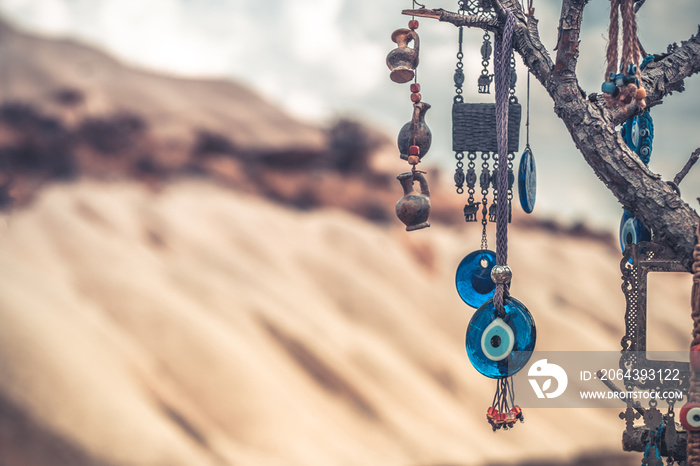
{"x":499,"y":347}
{"x":620,"y":80}
{"x":632,"y":230}
{"x":645,"y":152}
{"x":473,"y":277}
{"x":608,"y":87}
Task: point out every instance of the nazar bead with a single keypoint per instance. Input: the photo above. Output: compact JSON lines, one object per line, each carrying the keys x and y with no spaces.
{"x":608,"y":87}
{"x":499,"y":347}
{"x":501,"y":274}
{"x":690,"y":417}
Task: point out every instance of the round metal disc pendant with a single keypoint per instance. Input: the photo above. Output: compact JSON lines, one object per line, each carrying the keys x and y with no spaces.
{"x":473,"y":278}
{"x":499,"y":347}
{"x":632,"y":230}
{"x":527,"y":181}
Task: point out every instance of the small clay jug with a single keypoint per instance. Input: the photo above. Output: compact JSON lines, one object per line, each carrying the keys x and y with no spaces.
{"x":403,"y":60}
{"x":415,"y":132}
{"x":413,"y":208}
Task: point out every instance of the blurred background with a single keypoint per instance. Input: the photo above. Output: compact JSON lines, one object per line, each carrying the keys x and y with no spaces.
{"x":200,"y":262}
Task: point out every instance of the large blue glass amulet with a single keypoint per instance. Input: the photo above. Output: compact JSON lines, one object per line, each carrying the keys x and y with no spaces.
{"x":473,"y":278}
{"x":527,"y":181}
{"x":632,"y":230}
{"x":499,"y":347}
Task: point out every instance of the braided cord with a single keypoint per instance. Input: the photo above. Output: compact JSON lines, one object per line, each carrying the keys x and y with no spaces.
{"x":631,"y":47}
{"x":613,"y":37}
{"x":502,"y":53}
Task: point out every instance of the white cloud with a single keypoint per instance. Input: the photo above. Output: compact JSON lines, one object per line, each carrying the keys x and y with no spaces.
{"x":314,"y":28}
{"x":48,"y":16}
{"x":318,"y":58}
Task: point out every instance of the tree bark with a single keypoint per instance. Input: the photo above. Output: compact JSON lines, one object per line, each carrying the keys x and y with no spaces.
{"x":592,"y":125}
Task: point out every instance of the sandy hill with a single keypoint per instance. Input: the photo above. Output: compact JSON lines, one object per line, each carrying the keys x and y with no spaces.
{"x":197,"y":327}
{"x":34,"y":69}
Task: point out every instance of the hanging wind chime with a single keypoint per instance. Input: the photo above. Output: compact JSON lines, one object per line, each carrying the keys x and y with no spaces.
{"x":414,"y":137}
{"x":501,"y":333}
{"x":619,"y":90}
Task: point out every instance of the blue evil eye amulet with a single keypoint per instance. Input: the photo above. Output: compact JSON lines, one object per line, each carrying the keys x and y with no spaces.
{"x":498,"y":347}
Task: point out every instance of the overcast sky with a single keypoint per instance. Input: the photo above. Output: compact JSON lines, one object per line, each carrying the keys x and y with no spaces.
{"x":318,"y":59}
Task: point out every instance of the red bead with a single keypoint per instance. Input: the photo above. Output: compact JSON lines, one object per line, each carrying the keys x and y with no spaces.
{"x":413,"y":24}
{"x":415,"y":97}
{"x":695,"y":358}
{"x":415,"y":87}
{"x":690,"y":417}
{"x":414,"y":150}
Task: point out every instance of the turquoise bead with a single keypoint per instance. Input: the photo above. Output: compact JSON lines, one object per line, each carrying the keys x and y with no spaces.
{"x":608,"y":87}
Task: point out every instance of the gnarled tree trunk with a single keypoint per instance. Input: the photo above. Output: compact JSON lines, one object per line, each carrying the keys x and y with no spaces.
{"x":592,"y":123}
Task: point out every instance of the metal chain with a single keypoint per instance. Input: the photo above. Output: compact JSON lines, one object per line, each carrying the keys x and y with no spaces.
{"x":527,"y":120}
{"x":511,"y":181}
{"x":459,"y":81}
{"x":471,"y":176}
{"x":459,"y":172}
{"x":485,"y":183}
{"x":459,"y":70}
{"x":671,"y":419}
{"x":485,"y":79}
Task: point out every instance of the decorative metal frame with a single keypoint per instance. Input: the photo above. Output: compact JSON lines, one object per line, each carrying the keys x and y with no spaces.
{"x":637,"y":261}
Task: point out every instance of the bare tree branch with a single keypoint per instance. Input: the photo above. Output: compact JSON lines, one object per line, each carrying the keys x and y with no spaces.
{"x":665,"y":75}
{"x":474,"y":21}
{"x":567,"y":44}
{"x":592,"y":124}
